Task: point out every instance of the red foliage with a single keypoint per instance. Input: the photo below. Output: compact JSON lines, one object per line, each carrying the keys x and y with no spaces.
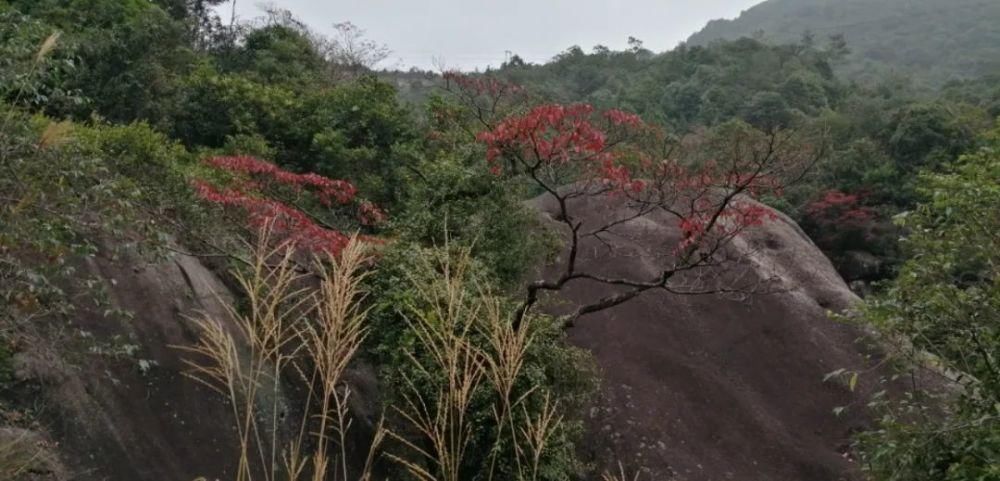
{"x":326,"y":190}
{"x":599,"y":149}
{"x":553,"y":134}
{"x":619,"y":178}
{"x":370,"y":214}
{"x":837,"y":209}
{"x":288,"y":223}
{"x":549,"y":132}
{"x":733,"y":219}
{"x":619,"y":117}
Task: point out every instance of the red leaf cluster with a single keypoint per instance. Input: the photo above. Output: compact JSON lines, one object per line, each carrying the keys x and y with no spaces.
{"x":327,"y":190}
{"x":555,"y":135}
{"x":370,"y":214}
{"x":619,"y":178}
{"x":288,"y":223}
{"x":732,"y":220}
{"x":606,"y":150}
{"x":836,"y":209}
{"x":622,"y":118}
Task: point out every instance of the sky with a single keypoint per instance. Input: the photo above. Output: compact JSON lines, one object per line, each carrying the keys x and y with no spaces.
{"x":472,"y":34}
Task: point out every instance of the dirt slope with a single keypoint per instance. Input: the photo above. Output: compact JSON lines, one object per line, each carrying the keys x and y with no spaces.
{"x":717,"y":387}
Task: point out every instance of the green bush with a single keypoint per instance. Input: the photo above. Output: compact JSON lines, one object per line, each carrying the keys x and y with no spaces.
{"x":71,"y":187}
{"x":359,"y":131}
{"x":550,"y":364}
{"x":132,"y":69}
{"x":27,"y":79}
{"x":466,"y":205}
{"x":276,"y":54}
{"x":944,"y":310}
{"x":215,"y":107}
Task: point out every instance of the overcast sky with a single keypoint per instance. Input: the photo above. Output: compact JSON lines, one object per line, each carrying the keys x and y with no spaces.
{"x":470,"y":34}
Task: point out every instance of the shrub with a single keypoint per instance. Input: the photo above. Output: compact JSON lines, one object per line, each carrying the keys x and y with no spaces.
{"x":433,"y":300}
{"x":286,"y":203}
{"x":944,"y":310}
{"x":214,"y":107}
{"x":35,"y":64}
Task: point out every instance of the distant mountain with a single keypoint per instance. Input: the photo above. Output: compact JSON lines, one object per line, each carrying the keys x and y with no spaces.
{"x":931,"y":40}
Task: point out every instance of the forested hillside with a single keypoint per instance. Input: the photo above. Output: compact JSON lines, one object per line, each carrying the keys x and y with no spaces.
{"x":166,"y":173}
{"x":230,"y":249}
{"x":933,"y":41}
{"x":879,"y":137}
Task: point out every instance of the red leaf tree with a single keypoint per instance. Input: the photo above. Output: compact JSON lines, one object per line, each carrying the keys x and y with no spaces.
{"x":306,"y":211}
{"x":840,"y":221}
{"x":706,"y":181}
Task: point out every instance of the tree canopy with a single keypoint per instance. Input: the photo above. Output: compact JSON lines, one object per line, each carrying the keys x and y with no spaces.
{"x":932,"y":40}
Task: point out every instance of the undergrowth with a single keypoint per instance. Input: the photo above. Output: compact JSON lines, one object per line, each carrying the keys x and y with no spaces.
{"x":466,"y":396}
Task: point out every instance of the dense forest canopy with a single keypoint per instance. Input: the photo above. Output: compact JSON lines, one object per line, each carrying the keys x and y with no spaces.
{"x":932,"y":41}
{"x":880,"y":136}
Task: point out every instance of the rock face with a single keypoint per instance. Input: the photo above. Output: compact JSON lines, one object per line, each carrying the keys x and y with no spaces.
{"x":716,"y":387}
{"x":29,"y":455}
{"x":118,"y":405}
{"x":117,"y":400}
{"x":694,"y":388}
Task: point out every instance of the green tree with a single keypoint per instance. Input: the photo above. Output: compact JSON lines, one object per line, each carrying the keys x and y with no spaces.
{"x":944,"y":309}
{"x":768,"y":111}
{"x":214,"y":107}
{"x":926,"y":135}
{"x":276,"y":54}
{"x":83,"y":14}
{"x":132,"y":70}
{"x":28,"y":79}
{"x":359,"y":131}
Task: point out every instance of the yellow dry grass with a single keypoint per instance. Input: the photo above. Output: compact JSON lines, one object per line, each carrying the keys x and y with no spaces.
{"x":17,"y":456}
{"x":247,"y":356}
{"x":457,"y":308}
{"x":465,"y":341}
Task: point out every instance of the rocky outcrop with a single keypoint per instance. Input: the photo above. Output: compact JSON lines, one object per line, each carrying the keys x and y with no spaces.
{"x":694,"y":387}
{"x":716,"y":387}
{"x":112,"y":379}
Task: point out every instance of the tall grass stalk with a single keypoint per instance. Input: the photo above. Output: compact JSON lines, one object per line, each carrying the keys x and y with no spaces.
{"x":620,"y":475}
{"x":288,"y":330}
{"x":453,"y":311}
{"x":465,"y":345}
{"x":18,"y":456}
{"x":442,"y":330}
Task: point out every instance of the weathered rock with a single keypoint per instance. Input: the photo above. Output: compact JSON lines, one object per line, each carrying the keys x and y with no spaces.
{"x":694,"y":388}
{"x":716,"y":387}
{"x":119,"y":404}
{"x":29,"y":456}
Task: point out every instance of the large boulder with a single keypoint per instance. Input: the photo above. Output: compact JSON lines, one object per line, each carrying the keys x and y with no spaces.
{"x":112,"y":378}
{"x":715,"y":387}
{"x":118,"y":404}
